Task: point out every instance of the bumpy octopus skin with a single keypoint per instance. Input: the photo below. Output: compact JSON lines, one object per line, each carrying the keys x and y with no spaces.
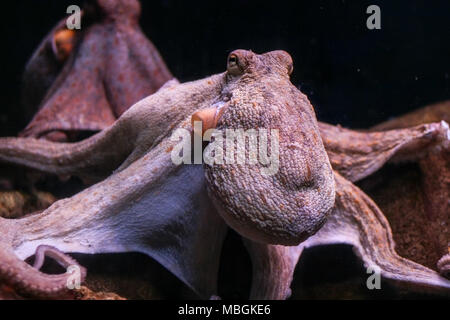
{"x":290,"y":205}
{"x":89,"y":77}
{"x":149,"y":204}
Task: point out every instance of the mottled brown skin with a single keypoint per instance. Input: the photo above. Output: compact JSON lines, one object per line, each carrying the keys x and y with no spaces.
{"x":289,"y":206}
{"x":149,"y":204}
{"x":423,"y":191}
{"x":89,"y":77}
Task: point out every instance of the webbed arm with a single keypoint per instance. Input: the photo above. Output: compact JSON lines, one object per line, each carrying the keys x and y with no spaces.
{"x":153,"y":206}
{"x":356,"y":155}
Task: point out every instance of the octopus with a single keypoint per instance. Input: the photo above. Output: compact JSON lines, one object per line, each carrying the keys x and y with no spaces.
{"x":141,"y":200}
{"x":86,"y":77}
{"x":89,"y":77}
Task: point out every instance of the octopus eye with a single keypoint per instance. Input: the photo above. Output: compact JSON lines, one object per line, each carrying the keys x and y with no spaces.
{"x":232,"y":60}
{"x":233,"y":65}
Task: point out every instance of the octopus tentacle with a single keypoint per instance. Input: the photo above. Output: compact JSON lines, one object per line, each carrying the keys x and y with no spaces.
{"x":48,"y":251}
{"x":272,"y":269}
{"x":356,"y":220}
{"x":28,"y":280}
{"x":153,"y":206}
{"x":139,"y":129}
{"x":89,"y":158}
{"x":356,"y":155}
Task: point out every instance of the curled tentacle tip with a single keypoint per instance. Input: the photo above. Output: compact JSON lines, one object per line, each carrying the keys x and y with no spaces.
{"x":64,"y":260}
{"x":443,"y":266}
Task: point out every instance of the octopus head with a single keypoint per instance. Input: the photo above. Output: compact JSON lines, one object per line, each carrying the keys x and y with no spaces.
{"x":267,"y":170}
